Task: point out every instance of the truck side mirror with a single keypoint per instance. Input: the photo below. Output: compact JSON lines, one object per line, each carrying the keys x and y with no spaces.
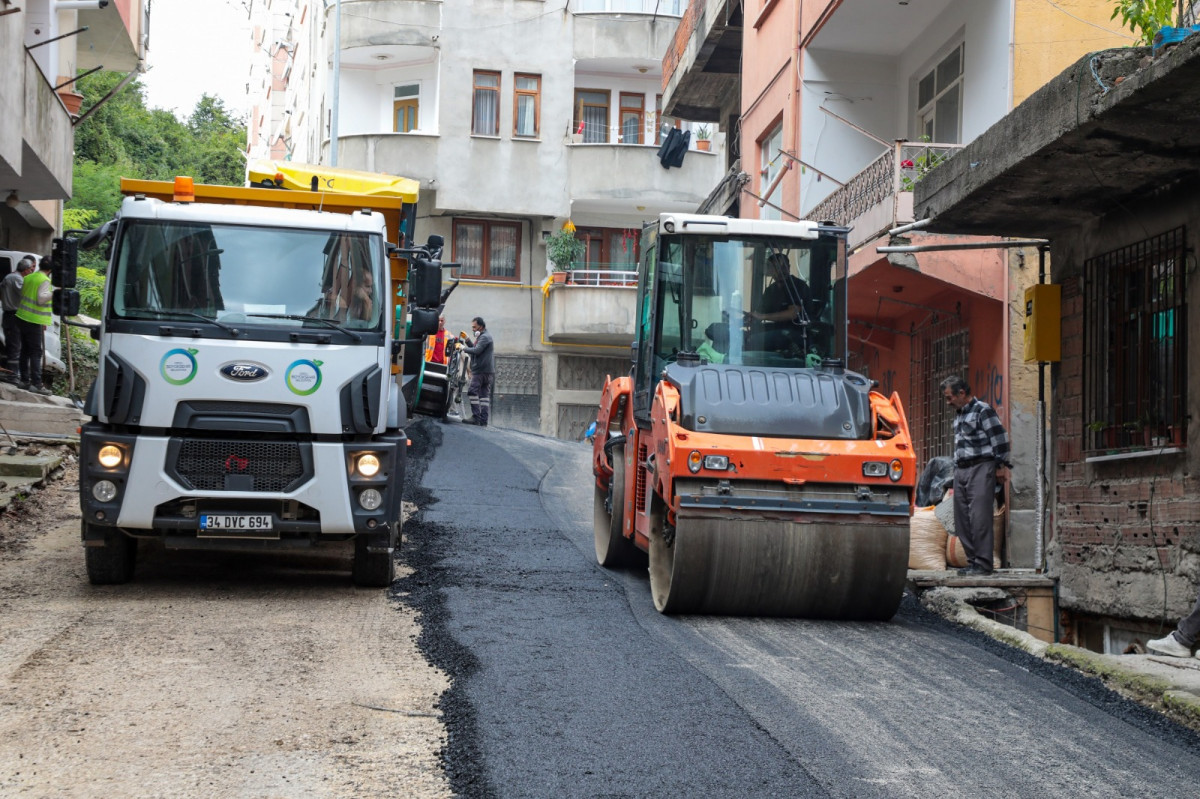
{"x":424,"y":322}
{"x":425,"y":283}
{"x":64,"y":302}
{"x":64,"y":260}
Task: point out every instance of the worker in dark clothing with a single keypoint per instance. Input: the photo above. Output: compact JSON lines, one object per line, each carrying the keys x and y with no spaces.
{"x":981,"y":449}
{"x":782,"y":312}
{"x":483,"y":373}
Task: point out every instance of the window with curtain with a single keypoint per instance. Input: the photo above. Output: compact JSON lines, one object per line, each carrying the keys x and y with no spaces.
{"x":527,"y":102}
{"x":611,"y":249}
{"x":770,"y":164}
{"x":939,"y":100}
{"x":485,"y":107}
{"x":633,"y":110}
{"x":591,"y":114}
{"x":487,"y":249}
{"x":405,"y":106}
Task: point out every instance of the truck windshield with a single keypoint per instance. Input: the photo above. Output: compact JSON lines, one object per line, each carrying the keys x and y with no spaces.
{"x":747,"y":302}
{"x":247,"y":275}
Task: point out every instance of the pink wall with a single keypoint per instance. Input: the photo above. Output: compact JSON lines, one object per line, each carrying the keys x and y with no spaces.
{"x":769,"y":81}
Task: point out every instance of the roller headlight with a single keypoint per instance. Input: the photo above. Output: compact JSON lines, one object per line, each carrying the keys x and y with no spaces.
{"x":109,"y":456}
{"x":875,"y":469}
{"x":370,"y":499}
{"x":104,"y":491}
{"x":718,"y":463}
{"x":368,"y":464}
{"x":895,"y":470}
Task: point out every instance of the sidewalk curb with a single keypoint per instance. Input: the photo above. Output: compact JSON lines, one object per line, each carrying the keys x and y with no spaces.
{"x":1128,"y":675}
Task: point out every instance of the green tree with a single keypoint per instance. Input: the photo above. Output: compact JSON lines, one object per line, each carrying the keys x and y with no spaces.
{"x":1144,"y":17}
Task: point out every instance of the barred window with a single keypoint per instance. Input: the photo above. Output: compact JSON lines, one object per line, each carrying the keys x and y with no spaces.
{"x":1135,"y":358}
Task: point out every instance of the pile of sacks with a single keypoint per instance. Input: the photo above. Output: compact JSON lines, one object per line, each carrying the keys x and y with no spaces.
{"x":932,"y":544}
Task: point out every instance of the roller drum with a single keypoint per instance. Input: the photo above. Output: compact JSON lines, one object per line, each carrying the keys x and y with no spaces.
{"x":825,"y":567}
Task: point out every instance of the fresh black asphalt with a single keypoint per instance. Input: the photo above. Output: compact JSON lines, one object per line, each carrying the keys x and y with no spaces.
{"x":566,"y":683}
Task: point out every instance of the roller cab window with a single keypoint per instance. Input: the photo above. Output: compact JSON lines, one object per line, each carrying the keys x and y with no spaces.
{"x":747,"y":302}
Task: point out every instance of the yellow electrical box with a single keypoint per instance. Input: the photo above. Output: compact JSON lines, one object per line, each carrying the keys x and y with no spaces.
{"x":1043,"y":322}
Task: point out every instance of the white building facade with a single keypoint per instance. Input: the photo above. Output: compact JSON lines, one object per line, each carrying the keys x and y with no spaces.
{"x":515,"y":117}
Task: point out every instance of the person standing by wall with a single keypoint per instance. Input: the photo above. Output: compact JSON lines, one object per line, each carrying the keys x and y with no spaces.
{"x":1180,"y":641}
{"x":10,"y":300}
{"x":981,"y":448}
{"x":483,"y":373}
{"x":33,"y":317}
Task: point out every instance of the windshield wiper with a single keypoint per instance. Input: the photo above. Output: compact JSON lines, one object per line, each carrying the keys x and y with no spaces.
{"x":301,"y":318}
{"x":233,"y":331}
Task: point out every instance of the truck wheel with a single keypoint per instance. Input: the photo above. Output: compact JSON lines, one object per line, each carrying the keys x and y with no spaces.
{"x":372,"y":569}
{"x":111,"y":564}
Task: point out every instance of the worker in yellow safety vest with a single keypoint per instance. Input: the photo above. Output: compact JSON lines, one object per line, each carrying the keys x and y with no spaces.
{"x":33,"y":317}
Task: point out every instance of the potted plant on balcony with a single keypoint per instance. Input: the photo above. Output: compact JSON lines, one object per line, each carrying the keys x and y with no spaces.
{"x":703,"y":134}
{"x":561,"y":249}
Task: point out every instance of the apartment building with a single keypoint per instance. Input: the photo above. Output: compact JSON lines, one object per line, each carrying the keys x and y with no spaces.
{"x":842,"y":107}
{"x":43,"y":45}
{"x":515,"y":118}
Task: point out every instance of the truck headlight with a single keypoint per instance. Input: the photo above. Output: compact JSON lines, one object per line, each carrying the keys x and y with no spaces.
{"x":367,"y":464}
{"x":370,"y":499}
{"x":109,"y":456}
{"x":104,"y":491}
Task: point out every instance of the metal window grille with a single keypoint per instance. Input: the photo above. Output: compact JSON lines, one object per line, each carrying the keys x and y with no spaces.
{"x":938,"y":351}
{"x":1135,"y":358}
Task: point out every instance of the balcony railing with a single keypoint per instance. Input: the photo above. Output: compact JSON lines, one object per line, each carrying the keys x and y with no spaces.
{"x":896,"y":170}
{"x":615,"y":274}
{"x":670,"y":8}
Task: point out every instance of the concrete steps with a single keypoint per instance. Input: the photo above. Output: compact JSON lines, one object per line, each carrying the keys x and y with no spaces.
{"x":33,"y":426}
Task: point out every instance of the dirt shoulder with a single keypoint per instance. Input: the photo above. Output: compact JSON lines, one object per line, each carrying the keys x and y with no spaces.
{"x":211,"y":674}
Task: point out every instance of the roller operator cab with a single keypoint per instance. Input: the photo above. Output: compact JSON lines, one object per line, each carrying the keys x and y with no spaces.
{"x":246,"y":397}
{"x":757,"y":473}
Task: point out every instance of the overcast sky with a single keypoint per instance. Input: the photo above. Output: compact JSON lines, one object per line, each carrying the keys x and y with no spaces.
{"x":197,"y":47}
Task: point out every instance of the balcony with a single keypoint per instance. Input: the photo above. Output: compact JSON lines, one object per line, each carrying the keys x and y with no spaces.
{"x":370,"y":24}
{"x":115,"y":36}
{"x":410,"y":155}
{"x":703,"y":62}
{"x":611,"y":177}
{"x":37,"y":165}
{"x":640,"y":40}
{"x":881,"y":196}
{"x":592,"y":307}
{"x":661,"y":8}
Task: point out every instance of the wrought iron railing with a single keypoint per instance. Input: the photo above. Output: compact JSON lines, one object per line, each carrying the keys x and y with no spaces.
{"x":894,"y":171}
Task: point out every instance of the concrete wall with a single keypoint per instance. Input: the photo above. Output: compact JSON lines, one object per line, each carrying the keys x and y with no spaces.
{"x":1127,"y":532}
{"x":1051,"y":39}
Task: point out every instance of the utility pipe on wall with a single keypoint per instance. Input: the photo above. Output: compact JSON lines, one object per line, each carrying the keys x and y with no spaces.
{"x":337,"y":74}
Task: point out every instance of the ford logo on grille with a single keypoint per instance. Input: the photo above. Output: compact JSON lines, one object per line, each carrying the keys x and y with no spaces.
{"x":244,"y":372}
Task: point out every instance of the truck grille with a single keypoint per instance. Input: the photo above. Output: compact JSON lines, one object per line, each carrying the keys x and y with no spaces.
{"x":219,"y":465}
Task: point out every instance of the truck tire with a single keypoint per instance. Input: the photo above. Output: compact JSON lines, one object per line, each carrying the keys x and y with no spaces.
{"x":372,"y":569}
{"x":111,"y":564}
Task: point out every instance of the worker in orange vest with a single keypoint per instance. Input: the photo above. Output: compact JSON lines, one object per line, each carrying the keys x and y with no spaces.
{"x":435,"y":350}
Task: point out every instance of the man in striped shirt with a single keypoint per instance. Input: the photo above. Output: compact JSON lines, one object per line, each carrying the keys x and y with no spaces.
{"x":981,"y":447}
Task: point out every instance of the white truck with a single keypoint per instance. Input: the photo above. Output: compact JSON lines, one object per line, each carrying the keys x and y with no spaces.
{"x":247,"y":396}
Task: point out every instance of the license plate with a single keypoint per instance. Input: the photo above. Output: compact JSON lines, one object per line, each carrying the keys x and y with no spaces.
{"x":255,"y":525}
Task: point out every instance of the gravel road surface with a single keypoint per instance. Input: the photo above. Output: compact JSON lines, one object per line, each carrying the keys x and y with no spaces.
{"x":211,"y":675}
